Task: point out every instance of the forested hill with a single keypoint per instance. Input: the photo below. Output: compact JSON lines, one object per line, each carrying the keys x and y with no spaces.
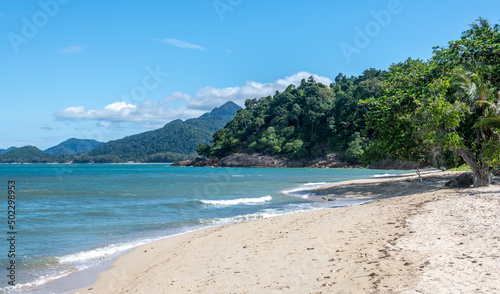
{"x":2,"y":151}
{"x":73,"y":146}
{"x":29,"y":154}
{"x":444,"y":111}
{"x":309,"y":119}
{"x":176,"y":140}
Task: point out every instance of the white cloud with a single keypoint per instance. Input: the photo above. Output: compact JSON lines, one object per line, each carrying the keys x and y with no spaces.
{"x":71,"y":49}
{"x":177,"y":96}
{"x":180,"y":43}
{"x":118,"y":106}
{"x":209,"y":97}
{"x":116,"y":112}
{"x":180,"y":105}
{"x":107,"y":124}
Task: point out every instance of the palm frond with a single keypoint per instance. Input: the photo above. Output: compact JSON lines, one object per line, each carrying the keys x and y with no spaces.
{"x":464,"y":79}
{"x":492,"y":121}
{"x":484,"y":22}
{"x":491,"y":105}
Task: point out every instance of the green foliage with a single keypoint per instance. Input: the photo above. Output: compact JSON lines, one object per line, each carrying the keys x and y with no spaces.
{"x":450,"y":103}
{"x":301,"y":120}
{"x":463,"y":167}
{"x":478,"y":45}
{"x":203,"y":150}
{"x":390,"y":116}
{"x":176,"y":138}
{"x":356,"y":148}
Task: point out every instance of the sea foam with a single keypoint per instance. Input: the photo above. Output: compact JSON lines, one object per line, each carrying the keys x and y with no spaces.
{"x":303,"y":190}
{"x":383,"y":175}
{"x":101,"y":252}
{"x":238,"y":201}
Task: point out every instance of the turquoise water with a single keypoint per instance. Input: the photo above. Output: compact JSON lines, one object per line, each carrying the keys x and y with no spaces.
{"x":68,"y":217}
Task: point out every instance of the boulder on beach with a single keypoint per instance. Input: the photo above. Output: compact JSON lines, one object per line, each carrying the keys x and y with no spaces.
{"x":464,"y":180}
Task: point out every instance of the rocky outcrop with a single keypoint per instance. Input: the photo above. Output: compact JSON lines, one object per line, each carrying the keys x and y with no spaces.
{"x":259,"y":160}
{"x":262,"y":160}
{"x":464,"y":180}
{"x":334,"y":160}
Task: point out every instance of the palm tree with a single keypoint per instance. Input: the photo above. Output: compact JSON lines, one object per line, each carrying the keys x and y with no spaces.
{"x":484,"y":104}
{"x":480,"y":23}
{"x":481,"y":98}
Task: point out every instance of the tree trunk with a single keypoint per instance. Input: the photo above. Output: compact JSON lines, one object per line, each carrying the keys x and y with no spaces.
{"x":480,"y":172}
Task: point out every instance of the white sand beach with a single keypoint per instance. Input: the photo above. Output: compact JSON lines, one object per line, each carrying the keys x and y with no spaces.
{"x":415,"y":238}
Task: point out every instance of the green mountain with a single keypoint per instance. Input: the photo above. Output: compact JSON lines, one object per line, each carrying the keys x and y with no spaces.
{"x":73,"y":146}
{"x":2,"y":151}
{"x":177,"y":140}
{"x":26,"y":154}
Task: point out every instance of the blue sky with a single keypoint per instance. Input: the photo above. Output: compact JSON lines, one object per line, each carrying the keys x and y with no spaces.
{"x":104,"y":70}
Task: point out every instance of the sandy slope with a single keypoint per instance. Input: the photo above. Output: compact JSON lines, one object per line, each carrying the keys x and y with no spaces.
{"x":423,"y":240}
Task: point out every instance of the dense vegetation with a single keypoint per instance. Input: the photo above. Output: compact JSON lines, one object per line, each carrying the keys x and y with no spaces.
{"x":2,"y":151}
{"x":443,"y":111}
{"x":73,"y":146}
{"x":448,"y":104}
{"x":25,"y":154}
{"x":310,"y":119}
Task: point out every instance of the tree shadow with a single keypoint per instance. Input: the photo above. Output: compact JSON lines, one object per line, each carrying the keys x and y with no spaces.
{"x":378,"y":190}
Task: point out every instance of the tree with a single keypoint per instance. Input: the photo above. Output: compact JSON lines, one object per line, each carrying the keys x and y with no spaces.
{"x":305,"y":120}
{"x":450,"y":103}
{"x":392,"y":118}
{"x":474,"y":62}
{"x":355,"y":148}
{"x":481,"y":150}
{"x":478,"y":45}
{"x":276,"y":124}
{"x":203,"y":149}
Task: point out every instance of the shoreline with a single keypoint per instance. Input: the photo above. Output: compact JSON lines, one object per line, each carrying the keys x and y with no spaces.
{"x":364,"y":248}
{"x":77,"y":261}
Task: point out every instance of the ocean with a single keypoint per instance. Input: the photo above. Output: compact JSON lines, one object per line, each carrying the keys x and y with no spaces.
{"x":74,"y":217}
